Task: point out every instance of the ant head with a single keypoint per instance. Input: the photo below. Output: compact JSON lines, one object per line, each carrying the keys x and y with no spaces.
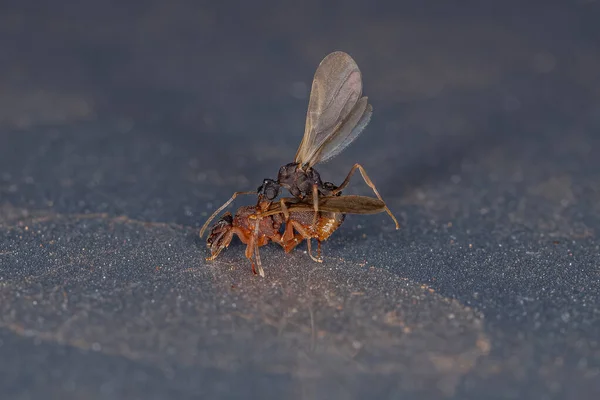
{"x":269,"y":189}
{"x":217,"y":239}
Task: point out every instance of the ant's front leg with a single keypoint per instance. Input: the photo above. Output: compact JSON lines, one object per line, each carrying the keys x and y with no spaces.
{"x":284,"y":209}
{"x":253,"y":248}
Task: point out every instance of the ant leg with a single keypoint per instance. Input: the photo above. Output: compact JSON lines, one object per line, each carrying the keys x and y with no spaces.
{"x":225,"y":240}
{"x":288,"y":235}
{"x":291,"y":241}
{"x":261,"y":272}
{"x":319,"y":249}
{"x":228,"y":202}
{"x":302,"y":231}
{"x":315,"y":197}
{"x":284,"y":202}
{"x":369,"y":183}
{"x":250,"y":252}
{"x":310,"y":252}
{"x":284,"y":209}
{"x":252,"y":249}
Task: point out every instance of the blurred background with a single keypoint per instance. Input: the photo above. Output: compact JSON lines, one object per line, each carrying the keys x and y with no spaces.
{"x":147,"y":115}
{"x":160,"y":82}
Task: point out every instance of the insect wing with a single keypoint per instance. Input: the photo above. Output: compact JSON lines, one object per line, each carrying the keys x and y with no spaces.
{"x":335,"y":92}
{"x":350,"y":204}
{"x":347,"y":132}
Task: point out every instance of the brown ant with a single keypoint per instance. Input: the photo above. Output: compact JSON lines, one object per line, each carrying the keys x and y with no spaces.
{"x":258,"y":225}
{"x":337,"y":114}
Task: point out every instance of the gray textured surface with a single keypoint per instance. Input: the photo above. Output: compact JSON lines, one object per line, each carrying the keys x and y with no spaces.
{"x":122,"y":127}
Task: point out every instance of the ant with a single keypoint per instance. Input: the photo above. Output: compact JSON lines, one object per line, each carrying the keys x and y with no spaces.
{"x":337,"y":114}
{"x":258,"y":225}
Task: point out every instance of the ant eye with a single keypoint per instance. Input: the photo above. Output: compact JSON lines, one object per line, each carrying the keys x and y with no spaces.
{"x":269,"y":189}
{"x":227,"y":219}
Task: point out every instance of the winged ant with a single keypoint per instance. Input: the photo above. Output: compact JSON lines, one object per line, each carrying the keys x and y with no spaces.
{"x":337,"y":114}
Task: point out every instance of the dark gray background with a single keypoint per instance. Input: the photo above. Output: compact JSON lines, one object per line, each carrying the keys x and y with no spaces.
{"x":122,"y":125}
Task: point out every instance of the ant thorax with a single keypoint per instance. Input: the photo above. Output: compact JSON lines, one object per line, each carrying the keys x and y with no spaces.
{"x":299,"y":182}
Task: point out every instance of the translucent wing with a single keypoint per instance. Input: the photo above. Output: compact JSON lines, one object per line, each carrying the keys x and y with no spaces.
{"x":350,"y":204}
{"x":334,"y":109}
{"x":350,"y":129}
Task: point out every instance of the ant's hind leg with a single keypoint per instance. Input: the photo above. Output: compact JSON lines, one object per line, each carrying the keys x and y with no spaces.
{"x":370,"y":184}
{"x":302,"y":231}
{"x":228,"y":202}
{"x":319,"y":260}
